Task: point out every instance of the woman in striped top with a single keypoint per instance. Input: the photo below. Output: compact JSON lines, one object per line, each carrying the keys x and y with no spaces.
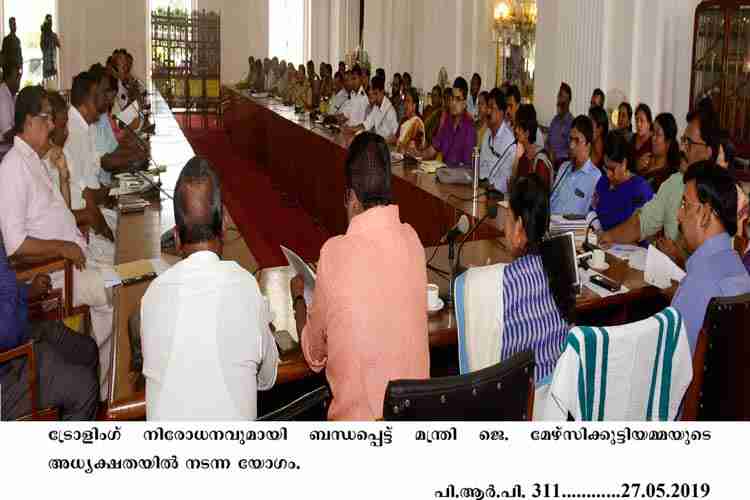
{"x":537,"y":303}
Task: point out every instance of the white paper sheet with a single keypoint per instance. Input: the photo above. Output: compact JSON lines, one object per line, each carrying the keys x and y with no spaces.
{"x":302,"y":269}
{"x":660,"y":269}
{"x":634,"y":255}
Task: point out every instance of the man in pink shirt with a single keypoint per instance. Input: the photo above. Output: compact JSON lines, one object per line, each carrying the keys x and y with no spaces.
{"x":367,"y":323}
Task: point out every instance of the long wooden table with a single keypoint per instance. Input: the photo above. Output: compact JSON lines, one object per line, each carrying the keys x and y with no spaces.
{"x":138,"y":237}
{"x":307,"y":161}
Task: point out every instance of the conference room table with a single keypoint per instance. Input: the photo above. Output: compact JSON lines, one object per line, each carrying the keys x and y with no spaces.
{"x":138,"y":237}
{"x":306,"y":160}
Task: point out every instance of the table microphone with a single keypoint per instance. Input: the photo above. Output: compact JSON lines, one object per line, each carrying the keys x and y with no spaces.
{"x":141,"y":142}
{"x":586,"y":245}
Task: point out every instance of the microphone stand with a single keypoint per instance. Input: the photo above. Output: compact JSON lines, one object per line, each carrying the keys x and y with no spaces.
{"x":589,"y":247}
{"x":455,"y":265}
{"x":144,"y":147}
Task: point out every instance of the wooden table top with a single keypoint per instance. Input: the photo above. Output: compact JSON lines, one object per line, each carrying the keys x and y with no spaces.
{"x":460,"y":197}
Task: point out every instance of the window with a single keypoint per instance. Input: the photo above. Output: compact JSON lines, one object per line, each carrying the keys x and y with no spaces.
{"x":29,"y":16}
{"x":286,"y":31}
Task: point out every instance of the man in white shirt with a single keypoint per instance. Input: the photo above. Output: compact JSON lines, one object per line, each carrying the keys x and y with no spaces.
{"x":341,"y":96}
{"x":498,"y":150}
{"x":382,"y":118}
{"x":354,"y":110}
{"x":8,"y":91}
{"x":37,"y":225}
{"x":207,"y":346}
{"x":86,"y":193}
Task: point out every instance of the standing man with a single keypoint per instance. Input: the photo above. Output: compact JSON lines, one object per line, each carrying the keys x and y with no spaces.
{"x":8,"y":91}
{"x":12,"y":55}
{"x":559,"y":129}
{"x":472,"y":104}
{"x":49,"y":42}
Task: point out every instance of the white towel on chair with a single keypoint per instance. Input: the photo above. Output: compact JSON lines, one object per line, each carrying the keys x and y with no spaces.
{"x":638,"y":371}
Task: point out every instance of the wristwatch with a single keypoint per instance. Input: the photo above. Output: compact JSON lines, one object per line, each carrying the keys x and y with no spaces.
{"x":298,"y":297}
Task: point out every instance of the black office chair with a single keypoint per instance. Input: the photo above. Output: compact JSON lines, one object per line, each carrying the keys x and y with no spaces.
{"x":311,"y":407}
{"x":503,"y":392}
{"x":725,"y":391}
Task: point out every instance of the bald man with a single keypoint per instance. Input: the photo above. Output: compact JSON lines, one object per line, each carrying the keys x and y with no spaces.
{"x":207,"y":345}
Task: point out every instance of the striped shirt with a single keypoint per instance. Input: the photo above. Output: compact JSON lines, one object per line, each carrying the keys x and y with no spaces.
{"x":530,"y":315}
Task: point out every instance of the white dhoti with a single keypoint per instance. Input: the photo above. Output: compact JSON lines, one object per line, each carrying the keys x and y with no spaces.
{"x":88,"y":289}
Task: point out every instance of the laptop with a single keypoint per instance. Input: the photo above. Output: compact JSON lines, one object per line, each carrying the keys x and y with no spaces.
{"x":563,"y":247}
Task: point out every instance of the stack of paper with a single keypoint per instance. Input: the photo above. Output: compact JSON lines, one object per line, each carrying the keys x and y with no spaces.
{"x":634,"y":255}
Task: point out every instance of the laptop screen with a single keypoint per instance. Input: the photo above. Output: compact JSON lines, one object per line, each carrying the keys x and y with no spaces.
{"x":563,"y":247}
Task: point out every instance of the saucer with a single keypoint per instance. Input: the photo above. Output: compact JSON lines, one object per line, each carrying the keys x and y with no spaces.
{"x":440,"y":304}
{"x":602,"y":268}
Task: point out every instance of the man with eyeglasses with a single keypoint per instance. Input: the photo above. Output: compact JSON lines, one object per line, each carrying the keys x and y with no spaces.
{"x":8,"y":91}
{"x":575,"y":182}
{"x":699,"y":143}
{"x":37,"y":225}
{"x":708,"y":220}
{"x":457,"y":137}
{"x":497,"y":150}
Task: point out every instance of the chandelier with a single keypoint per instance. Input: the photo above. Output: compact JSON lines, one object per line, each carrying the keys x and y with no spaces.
{"x":516,"y":17}
{"x":514,"y":23}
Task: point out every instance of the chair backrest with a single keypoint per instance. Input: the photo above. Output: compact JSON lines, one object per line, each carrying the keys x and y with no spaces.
{"x":313,"y":406}
{"x":726,"y":371}
{"x":502,"y":392}
{"x":638,"y":371}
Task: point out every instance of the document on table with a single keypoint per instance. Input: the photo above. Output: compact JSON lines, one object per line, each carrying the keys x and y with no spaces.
{"x":634,"y":255}
{"x":301,"y":268}
{"x":586,"y":275}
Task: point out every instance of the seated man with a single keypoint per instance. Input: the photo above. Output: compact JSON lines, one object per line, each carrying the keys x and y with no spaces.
{"x":708,"y":220}
{"x":54,"y":158}
{"x":498,"y":148}
{"x":207,"y":347}
{"x":341,"y":96}
{"x":699,"y":143}
{"x":8,"y":91}
{"x":353,"y":112}
{"x":382,"y":119}
{"x":37,"y":225}
{"x":575,"y":182}
{"x":113,"y":156}
{"x":86,"y":192}
{"x":66,"y":362}
{"x":457,"y":137}
{"x":367,"y":323}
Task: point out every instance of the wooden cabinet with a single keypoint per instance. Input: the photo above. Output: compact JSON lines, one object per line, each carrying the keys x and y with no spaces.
{"x":721,"y":65}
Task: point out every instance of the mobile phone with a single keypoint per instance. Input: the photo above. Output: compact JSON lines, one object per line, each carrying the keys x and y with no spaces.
{"x":605,"y":283}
